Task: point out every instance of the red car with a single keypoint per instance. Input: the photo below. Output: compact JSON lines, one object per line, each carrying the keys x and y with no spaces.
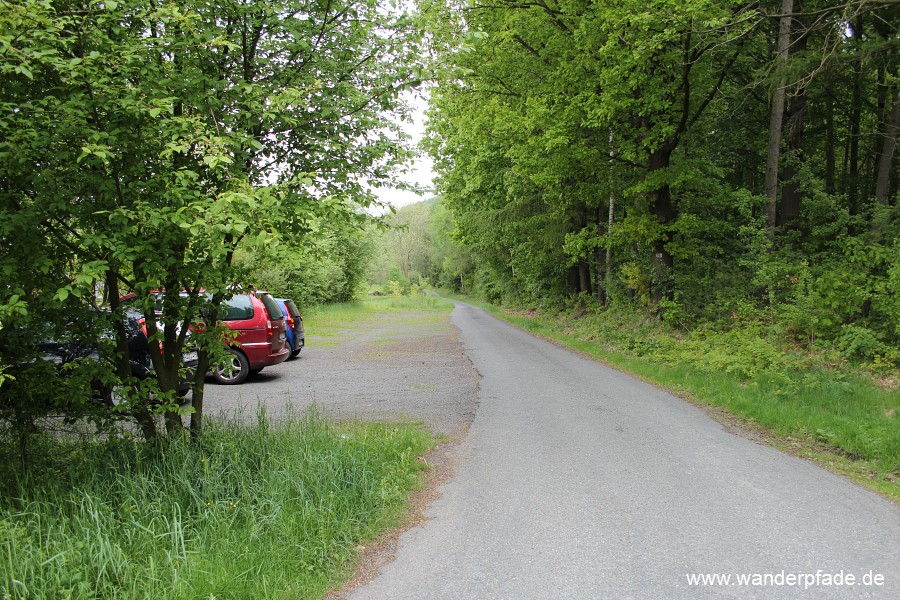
{"x":260,"y":341}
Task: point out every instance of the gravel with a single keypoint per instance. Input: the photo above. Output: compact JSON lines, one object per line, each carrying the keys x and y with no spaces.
{"x":399,"y":365}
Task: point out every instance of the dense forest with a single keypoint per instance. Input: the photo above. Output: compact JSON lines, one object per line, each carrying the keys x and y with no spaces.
{"x":709,"y":162}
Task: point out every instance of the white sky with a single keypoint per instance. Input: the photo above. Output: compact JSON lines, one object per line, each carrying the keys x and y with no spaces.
{"x":422,"y":168}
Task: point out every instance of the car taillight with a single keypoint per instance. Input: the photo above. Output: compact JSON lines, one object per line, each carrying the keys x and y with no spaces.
{"x":290,"y":321}
{"x":143,"y":323}
{"x":270,"y":331}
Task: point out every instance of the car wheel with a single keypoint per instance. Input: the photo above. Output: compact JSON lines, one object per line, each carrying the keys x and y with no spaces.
{"x":118,"y":394}
{"x":234,"y":371}
{"x":115,"y":395}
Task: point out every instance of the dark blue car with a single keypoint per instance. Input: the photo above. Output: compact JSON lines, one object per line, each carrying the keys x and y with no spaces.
{"x":296,"y":338}
{"x":66,"y":349}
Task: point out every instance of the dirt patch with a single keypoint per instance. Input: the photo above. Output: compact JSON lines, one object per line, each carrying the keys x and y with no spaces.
{"x":889,"y":383}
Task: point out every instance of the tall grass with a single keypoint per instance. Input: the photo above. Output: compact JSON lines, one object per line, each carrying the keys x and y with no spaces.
{"x":248,"y":511}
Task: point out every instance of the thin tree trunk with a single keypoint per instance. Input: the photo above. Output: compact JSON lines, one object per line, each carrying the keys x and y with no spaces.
{"x":830,"y":164}
{"x":662,"y":261}
{"x":174,"y":424}
{"x":140,"y":411}
{"x":776,"y":115}
{"x":611,"y":219}
{"x":196,"y":425}
{"x":855,"y":118}
{"x":198,"y":386}
{"x":886,"y":160}
{"x":598,"y":261}
{"x":796,"y":115}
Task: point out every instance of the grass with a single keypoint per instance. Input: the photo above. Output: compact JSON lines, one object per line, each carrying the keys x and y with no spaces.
{"x":248,"y":511}
{"x":837,"y":417}
{"x":327,"y":325}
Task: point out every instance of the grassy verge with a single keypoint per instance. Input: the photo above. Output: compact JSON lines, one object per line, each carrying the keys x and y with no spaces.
{"x":325,"y":324}
{"x":836,"y":416}
{"x":264,"y":511}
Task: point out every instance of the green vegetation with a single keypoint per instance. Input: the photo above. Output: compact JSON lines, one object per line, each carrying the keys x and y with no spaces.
{"x":329,"y":266}
{"x":666,"y":157}
{"x":347,"y":318}
{"x":182,"y":145}
{"x":808,"y":404}
{"x":271,"y":510}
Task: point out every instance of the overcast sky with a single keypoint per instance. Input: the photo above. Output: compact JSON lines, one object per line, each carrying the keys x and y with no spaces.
{"x":422,"y":168}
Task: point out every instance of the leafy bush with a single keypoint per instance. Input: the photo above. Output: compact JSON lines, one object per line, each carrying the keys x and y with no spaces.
{"x":330,"y":267}
{"x":742,"y":352}
{"x":860,"y":342}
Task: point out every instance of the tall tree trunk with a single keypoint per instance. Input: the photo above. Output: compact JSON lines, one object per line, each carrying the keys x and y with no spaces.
{"x":609,"y":252}
{"x":790,"y":195}
{"x":604,"y":281}
{"x":584,"y":277}
{"x":572,"y":280}
{"x":776,"y":114}
{"x":610,"y":219}
{"x":661,"y":261}
{"x":796,"y":116}
{"x":855,"y":118}
{"x":886,"y":159}
{"x":830,"y":164}
{"x":598,"y":262}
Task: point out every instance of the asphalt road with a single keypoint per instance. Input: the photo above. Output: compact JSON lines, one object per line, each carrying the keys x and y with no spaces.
{"x":576,"y":481}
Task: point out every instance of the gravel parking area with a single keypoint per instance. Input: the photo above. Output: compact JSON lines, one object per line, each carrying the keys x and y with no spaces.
{"x":396,"y":365}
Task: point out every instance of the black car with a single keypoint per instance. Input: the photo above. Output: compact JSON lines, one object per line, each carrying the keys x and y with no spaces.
{"x":68,"y":348}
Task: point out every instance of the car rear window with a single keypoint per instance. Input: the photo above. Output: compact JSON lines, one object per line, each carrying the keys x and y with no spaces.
{"x":272,"y":307}
{"x":238,"y":308}
{"x":292,"y":308}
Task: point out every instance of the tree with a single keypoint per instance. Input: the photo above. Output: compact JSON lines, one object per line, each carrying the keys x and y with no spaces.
{"x":152,"y":141}
{"x":554,"y":81}
{"x":773,"y":150}
{"x":751,"y":157}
